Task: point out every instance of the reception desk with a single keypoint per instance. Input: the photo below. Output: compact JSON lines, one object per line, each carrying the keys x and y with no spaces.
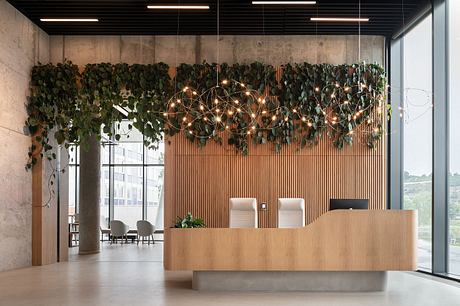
{"x":339,"y":240}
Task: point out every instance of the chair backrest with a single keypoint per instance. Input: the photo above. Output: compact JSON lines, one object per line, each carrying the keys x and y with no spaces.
{"x":243,"y":212}
{"x":145,"y":228}
{"x":291,"y":212}
{"x":118,"y":228}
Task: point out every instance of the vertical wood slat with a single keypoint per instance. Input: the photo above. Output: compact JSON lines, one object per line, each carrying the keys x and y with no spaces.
{"x":201,"y":180}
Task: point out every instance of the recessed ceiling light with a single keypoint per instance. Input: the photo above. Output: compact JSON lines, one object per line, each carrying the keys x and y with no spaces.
{"x":338,"y":19}
{"x":285,"y":2}
{"x":178,"y":7}
{"x":69,"y":19}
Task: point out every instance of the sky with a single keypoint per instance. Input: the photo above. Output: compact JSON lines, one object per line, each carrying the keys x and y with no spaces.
{"x":418,"y":93}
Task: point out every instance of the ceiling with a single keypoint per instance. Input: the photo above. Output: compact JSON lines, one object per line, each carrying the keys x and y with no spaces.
{"x":125,"y":17}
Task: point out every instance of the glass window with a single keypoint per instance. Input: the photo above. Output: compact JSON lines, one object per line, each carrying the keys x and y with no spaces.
{"x":128,"y":194}
{"x":155,"y":195}
{"x":454,"y":134}
{"x":131,"y":179}
{"x":417,"y":114}
{"x":74,"y":176}
{"x":73,"y":191}
{"x":105,"y":196}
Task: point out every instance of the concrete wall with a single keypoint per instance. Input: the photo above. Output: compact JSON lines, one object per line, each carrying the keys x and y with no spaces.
{"x":275,"y":50}
{"x":22,"y":44}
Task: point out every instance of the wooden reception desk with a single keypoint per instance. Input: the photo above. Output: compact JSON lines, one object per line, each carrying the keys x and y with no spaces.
{"x":339,"y":240}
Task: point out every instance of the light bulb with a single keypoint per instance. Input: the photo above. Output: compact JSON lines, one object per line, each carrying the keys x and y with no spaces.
{"x":217,"y":110}
{"x":350,"y":133}
{"x":332,"y":96}
{"x":345,"y":102}
{"x":325,"y":121}
{"x":309,"y":124}
{"x":242,"y":84}
{"x":304,"y":119}
{"x":190,"y":132}
{"x":273,"y":117}
{"x":184,"y":119}
{"x":335,"y":118}
{"x":173,"y":104}
{"x":247,"y":93}
{"x":253,"y":127}
{"x":216,"y":101}
{"x":178,"y":101}
{"x":253,"y":115}
{"x":205,"y":119}
{"x":238,"y":110}
{"x":316,"y":89}
{"x":218,"y":119}
{"x":230,"y":112}
{"x":337,"y":85}
{"x":201,"y":107}
{"x":264,"y":112}
{"x":347,"y":88}
{"x":294,"y":111}
{"x":194,"y":93}
{"x":249,"y":132}
{"x":165,"y":114}
{"x":227,"y":127}
{"x":236,"y":101}
{"x":286,"y":119}
{"x":189,"y":124}
{"x":225,"y":82}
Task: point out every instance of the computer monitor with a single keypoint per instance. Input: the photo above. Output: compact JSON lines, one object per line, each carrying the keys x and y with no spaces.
{"x":349,"y":204}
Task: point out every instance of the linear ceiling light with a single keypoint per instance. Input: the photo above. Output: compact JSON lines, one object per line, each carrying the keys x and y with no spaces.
{"x":69,"y":19}
{"x":285,"y":2}
{"x":334,"y":19}
{"x":178,"y":7}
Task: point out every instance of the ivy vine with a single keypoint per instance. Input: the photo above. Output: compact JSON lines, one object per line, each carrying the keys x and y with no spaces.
{"x":305,"y":104}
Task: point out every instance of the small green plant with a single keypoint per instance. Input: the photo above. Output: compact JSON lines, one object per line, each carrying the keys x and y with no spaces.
{"x":189,"y":222}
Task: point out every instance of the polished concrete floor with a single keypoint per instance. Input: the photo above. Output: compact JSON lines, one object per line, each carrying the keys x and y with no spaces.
{"x":134,"y":275}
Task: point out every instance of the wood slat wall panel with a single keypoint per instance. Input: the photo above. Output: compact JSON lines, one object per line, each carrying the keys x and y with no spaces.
{"x":201,"y":180}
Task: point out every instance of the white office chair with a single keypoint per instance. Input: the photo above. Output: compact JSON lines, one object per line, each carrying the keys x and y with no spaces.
{"x":118,"y":229}
{"x":243,"y":212}
{"x":291,"y":212}
{"x":145,"y":229}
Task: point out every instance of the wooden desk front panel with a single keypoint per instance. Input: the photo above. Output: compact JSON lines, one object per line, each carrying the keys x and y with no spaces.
{"x":337,"y":241}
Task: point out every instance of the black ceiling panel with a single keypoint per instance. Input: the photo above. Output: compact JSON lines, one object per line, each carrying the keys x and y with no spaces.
{"x":131,"y":17}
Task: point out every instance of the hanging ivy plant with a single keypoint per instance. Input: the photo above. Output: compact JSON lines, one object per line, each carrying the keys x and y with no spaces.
{"x":51,"y":107}
{"x":308,"y":103}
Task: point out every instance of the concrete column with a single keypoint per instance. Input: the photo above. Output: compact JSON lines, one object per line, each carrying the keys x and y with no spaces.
{"x":90,"y":189}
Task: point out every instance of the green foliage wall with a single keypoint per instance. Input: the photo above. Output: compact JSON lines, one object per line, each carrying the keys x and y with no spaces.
{"x":74,"y":105}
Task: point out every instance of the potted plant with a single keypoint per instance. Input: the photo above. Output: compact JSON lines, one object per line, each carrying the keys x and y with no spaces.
{"x":189,"y":222}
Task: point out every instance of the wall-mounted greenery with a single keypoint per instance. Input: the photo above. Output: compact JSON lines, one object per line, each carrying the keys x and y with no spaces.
{"x":309,"y":102}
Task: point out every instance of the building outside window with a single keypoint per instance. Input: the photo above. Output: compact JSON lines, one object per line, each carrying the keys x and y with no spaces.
{"x":131,"y":180}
